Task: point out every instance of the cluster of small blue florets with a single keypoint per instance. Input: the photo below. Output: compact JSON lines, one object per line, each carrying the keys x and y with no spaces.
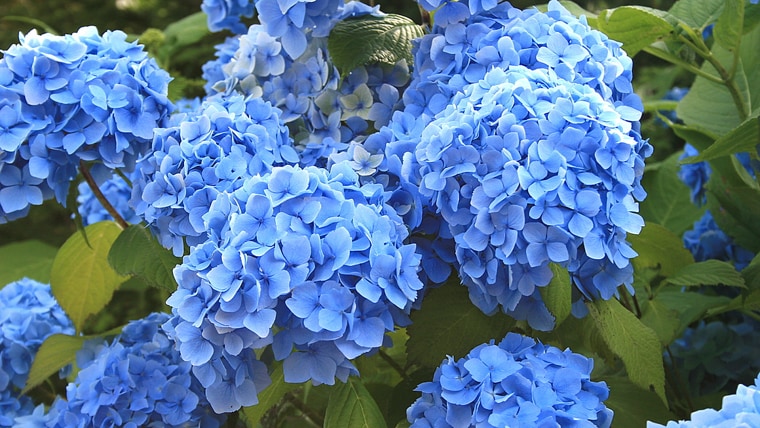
{"x":518,"y":383}
{"x":116,"y":191}
{"x":303,"y":259}
{"x":28,"y":315}
{"x":138,"y":379}
{"x":201,"y":153}
{"x":66,"y":99}
{"x":739,"y":410}
{"x":530,"y":153}
{"x":288,"y":65}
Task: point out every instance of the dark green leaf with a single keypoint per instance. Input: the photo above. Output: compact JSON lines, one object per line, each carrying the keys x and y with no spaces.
{"x":708,"y":272}
{"x":270,"y":396}
{"x":634,"y":406}
{"x":751,"y":18}
{"x":81,"y":279}
{"x":697,"y":13}
{"x":663,"y":320}
{"x":690,"y":305}
{"x":31,"y":259}
{"x":351,"y":405}
{"x":668,"y":203}
{"x":558,"y":294}
{"x":751,"y":274}
{"x":186,"y":31}
{"x":369,"y":39}
{"x":450,"y":324}
{"x":749,"y":301}
{"x":636,"y":27}
{"x":137,"y":252}
{"x":736,"y":210}
{"x":743,"y":138}
{"x":659,"y":247}
{"x":728,"y":29}
{"x":635,"y":343}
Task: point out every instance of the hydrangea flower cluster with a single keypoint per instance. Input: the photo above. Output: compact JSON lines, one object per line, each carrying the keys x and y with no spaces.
{"x":323,"y":110}
{"x":739,"y":410}
{"x":28,"y":315}
{"x":227,"y":14}
{"x":200,"y":154}
{"x":138,"y":379}
{"x":66,"y":99}
{"x":518,"y":383}
{"x":712,"y":355}
{"x":303,"y":259}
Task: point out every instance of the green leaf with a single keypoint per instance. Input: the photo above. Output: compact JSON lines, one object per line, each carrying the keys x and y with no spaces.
{"x":558,"y":294}
{"x":186,"y":31}
{"x":709,"y":105}
{"x":690,"y":305}
{"x":728,"y":29}
{"x":697,"y":13}
{"x":26,"y":259}
{"x":137,"y":252}
{"x":659,"y":247}
{"x":744,"y":302}
{"x":351,"y":405}
{"x":736,"y":210}
{"x":751,"y":274}
{"x":709,"y":272}
{"x":634,"y":406}
{"x":743,"y":138}
{"x":663,"y":320}
{"x":449,"y":324}
{"x":81,"y":279}
{"x":270,"y":396}
{"x":635,"y":343}
{"x":636,"y":27}
{"x":668,"y":203}
{"x":370,"y":39}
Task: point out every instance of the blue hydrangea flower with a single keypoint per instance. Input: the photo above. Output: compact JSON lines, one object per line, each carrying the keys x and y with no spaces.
{"x":739,"y":410}
{"x":306,"y":260}
{"x":28,"y":315}
{"x":518,"y":383}
{"x":138,"y":379}
{"x":227,"y":14}
{"x":73,"y":98}
{"x":707,"y":241}
{"x":200,"y":154}
{"x":116,"y":191}
{"x":528,"y":169}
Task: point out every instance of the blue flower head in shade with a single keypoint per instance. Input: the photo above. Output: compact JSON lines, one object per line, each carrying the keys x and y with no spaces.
{"x":738,"y":410}
{"x":138,"y":379}
{"x":66,"y":99}
{"x":227,"y":14}
{"x":116,"y":191}
{"x":28,"y":315}
{"x":303,"y":259}
{"x":202,"y":153}
{"x":518,"y":383}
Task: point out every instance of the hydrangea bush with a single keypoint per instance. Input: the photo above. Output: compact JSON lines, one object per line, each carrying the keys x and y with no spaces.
{"x":365,"y":221}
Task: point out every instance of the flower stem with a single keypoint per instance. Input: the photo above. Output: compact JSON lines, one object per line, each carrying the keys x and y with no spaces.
{"x":98,"y":194}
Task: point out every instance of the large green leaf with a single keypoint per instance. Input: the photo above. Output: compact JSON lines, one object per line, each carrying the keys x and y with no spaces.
{"x":370,"y":39}
{"x":184,"y":32}
{"x":635,"y":343}
{"x":743,"y":138}
{"x":736,"y":210}
{"x":728,"y":30}
{"x":659,"y":248}
{"x":558,"y":294}
{"x":634,"y":406}
{"x":751,"y":274}
{"x":31,"y":259}
{"x":81,"y":279}
{"x":351,"y":405}
{"x":270,"y":396}
{"x":137,"y":252}
{"x":697,"y":13}
{"x":671,"y":310}
{"x":710,"y":105}
{"x":450,"y":324}
{"x":708,"y":272}
{"x":668,"y":202}
{"x":636,"y":27}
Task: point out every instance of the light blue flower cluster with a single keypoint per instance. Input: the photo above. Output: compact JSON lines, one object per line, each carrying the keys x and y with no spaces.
{"x":518,"y":383}
{"x":740,"y":410}
{"x":116,"y":191}
{"x":713,"y":355}
{"x":138,"y":379}
{"x":202,"y":153}
{"x":66,"y":99}
{"x":303,"y":259}
{"x":28,"y":315}
{"x":227,"y":14}
{"x":288,"y":65}
{"x":706,"y":240}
